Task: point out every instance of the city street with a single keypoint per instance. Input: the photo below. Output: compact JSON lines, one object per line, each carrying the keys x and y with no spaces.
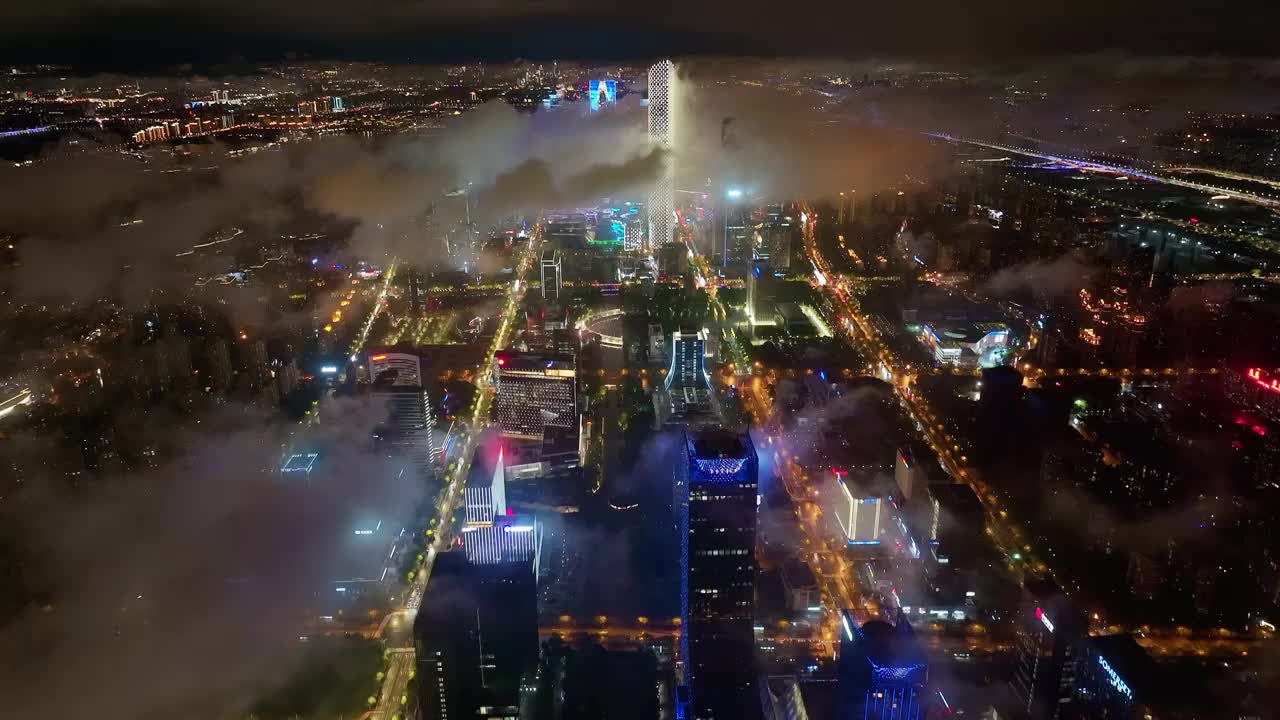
{"x":393,"y":686}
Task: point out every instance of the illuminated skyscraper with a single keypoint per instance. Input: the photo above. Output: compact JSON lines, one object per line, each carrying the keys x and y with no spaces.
{"x":1049,"y":647}
{"x":662,"y":128}
{"x":491,"y":532}
{"x":882,"y":670}
{"x":687,"y":365}
{"x":761,"y":292}
{"x":411,"y":422}
{"x":716,"y":511}
{"x":551,"y":265}
{"x":405,"y":368}
{"x":632,"y":236}
{"x":535,"y":392}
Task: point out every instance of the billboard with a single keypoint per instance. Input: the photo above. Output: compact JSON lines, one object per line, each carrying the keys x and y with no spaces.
{"x":602,"y":92}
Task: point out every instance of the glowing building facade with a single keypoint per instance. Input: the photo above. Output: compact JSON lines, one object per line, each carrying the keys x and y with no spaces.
{"x":535,"y":391}
{"x":662,"y":127}
{"x":882,"y":670}
{"x":716,"y":511}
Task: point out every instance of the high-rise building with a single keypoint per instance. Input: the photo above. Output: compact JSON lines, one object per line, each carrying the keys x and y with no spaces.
{"x":411,"y":423}
{"x":662,"y":129}
{"x":716,"y":511}
{"x":1119,"y":680}
{"x":882,"y":670}
{"x":405,"y":367}
{"x":862,"y":506}
{"x":761,"y":292}
{"x":476,"y":637}
{"x":336,"y":104}
{"x":551,"y":277}
{"x":219,"y":359}
{"x":491,"y":532}
{"x":534,"y":391}
{"x":687,"y":368}
{"x":1050,"y":633}
{"x":736,"y":253}
{"x":776,"y":244}
{"x":633,"y":236}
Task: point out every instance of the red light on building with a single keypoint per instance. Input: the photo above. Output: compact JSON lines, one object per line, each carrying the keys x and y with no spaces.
{"x":502,"y":361}
{"x":1195,"y":221}
{"x":1272,"y":384}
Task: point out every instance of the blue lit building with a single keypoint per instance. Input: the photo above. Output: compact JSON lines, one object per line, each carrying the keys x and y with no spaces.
{"x":882,"y":670}
{"x":716,"y":514}
{"x":688,"y":369}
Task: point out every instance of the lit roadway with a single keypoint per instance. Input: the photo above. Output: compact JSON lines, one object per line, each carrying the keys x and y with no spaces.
{"x":402,"y":662}
{"x":9,"y":404}
{"x":862,"y":333}
{"x":1004,"y":534}
{"x":1266,"y":200}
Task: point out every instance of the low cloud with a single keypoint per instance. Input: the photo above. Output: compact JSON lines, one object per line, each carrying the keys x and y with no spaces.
{"x":181,"y":591}
{"x":110,"y":226}
{"x":1053,"y":278}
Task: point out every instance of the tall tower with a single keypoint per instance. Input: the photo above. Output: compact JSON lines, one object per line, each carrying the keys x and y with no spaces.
{"x":716,"y":512}
{"x":662,"y":126}
{"x":882,"y":670}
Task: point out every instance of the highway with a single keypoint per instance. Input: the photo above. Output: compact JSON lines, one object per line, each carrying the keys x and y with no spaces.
{"x":1266,"y":200}
{"x":393,"y":686}
{"x":9,"y":404}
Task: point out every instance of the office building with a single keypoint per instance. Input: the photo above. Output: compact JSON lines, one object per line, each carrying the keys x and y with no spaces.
{"x":776,"y":244}
{"x":491,"y":532}
{"x":1050,"y":633}
{"x":716,"y":511}
{"x":396,"y":366}
{"x":657,"y":343}
{"x":218,"y":356}
{"x":761,"y":293}
{"x":1118,"y":680}
{"x":410,"y":427}
{"x":862,"y":506}
{"x":476,"y":637}
{"x":551,"y":274}
{"x":633,"y":236}
{"x":687,"y":364}
{"x":336,"y":104}
{"x":737,"y":252}
{"x":662,"y":129}
{"x":882,"y":670}
{"x":535,"y":391}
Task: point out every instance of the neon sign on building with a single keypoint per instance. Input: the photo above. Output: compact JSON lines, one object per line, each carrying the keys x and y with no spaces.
{"x":1044,"y":619}
{"x":1270,"y":383}
{"x":1114,"y":678}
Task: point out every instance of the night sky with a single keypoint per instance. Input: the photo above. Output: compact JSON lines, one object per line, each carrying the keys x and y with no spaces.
{"x":145,"y":34}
